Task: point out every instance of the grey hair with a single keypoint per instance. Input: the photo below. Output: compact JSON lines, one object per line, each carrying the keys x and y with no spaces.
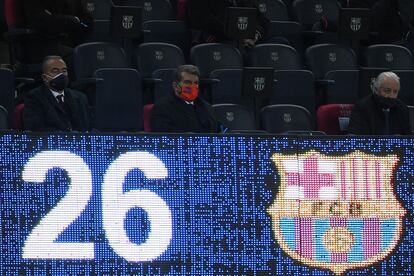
{"x":46,"y":61}
{"x":379,"y":80}
{"x":187,"y":68}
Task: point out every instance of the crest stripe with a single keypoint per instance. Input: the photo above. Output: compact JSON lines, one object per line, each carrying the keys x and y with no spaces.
{"x":321,"y":253}
{"x":303,"y":232}
{"x":356,"y":252}
{"x":371,"y":237}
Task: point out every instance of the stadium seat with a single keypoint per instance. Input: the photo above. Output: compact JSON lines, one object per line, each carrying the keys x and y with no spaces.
{"x":333,"y":119}
{"x":150,"y":57}
{"x":4,"y":125}
{"x":168,"y":31}
{"x":411,"y":112}
{"x":345,"y":88}
{"x":294,"y":87}
{"x":323,"y":58}
{"x":234,"y":117}
{"x":309,"y":12}
{"x":99,"y":9}
{"x":118,"y":103}
{"x":89,"y":57}
{"x":394,"y":57}
{"x":147,"y":117}
{"x":282,"y":118}
{"x":274,"y":10}
{"x":341,"y":85}
{"x":406,"y":93}
{"x":163,"y":87}
{"x":211,"y":56}
{"x":228,"y":88}
{"x":277,"y":56}
{"x":151,"y":9}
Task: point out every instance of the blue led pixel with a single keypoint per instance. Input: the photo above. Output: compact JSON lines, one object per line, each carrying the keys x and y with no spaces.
{"x":74,"y":204}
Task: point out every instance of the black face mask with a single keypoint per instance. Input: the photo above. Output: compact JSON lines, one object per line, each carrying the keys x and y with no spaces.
{"x":385,"y":103}
{"x":59,"y":82}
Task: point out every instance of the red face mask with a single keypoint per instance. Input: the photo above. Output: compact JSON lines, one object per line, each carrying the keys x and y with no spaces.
{"x":188,"y":92}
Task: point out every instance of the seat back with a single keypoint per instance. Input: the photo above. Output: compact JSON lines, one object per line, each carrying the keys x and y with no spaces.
{"x":101,"y":32}
{"x":168,"y":31}
{"x":99,"y":9}
{"x":89,"y":57}
{"x":274,"y":10}
{"x":151,"y":9}
{"x":406,"y":93}
{"x":234,"y":116}
{"x":295,"y":87}
{"x":411,"y":114}
{"x":150,"y":57}
{"x":323,"y":58}
{"x":211,"y":56}
{"x":281,"y":118}
{"x":394,"y":57}
{"x":277,"y":56}
{"x":4,"y":124}
{"x":333,"y":119}
{"x":118,"y":103}
{"x":147,"y":117}
{"x":163,"y":88}
{"x":345,"y":88}
{"x":229,"y":87}
{"x":309,"y":12}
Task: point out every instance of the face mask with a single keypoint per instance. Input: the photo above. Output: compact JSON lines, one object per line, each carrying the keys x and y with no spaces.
{"x":59,"y":82}
{"x":188,"y":92}
{"x":386,"y":103}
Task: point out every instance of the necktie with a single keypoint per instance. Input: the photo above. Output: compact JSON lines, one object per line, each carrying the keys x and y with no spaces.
{"x":59,"y":98}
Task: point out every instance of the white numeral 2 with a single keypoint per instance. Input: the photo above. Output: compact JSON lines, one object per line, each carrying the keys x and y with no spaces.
{"x":41,"y":243}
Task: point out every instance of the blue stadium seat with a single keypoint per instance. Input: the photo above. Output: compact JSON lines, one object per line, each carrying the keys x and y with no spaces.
{"x":149,"y":57}
{"x":277,"y":56}
{"x":167,"y":31}
{"x":99,"y":9}
{"x":234,"y":117}
{"x":282,"y":118}
{"x":394,"y":57}
{"x":118,"y":102}
{"x":211,"y":56}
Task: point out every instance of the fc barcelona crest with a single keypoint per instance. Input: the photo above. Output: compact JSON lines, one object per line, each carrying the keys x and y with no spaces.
{"x":259,"y":83}
{"x":127,"y":21}
{"x":242,"y":23}
{"x":336,"y":213}
{"x":355,"y":23}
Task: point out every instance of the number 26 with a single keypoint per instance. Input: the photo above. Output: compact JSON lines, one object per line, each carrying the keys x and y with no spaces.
{"x":41,"y":243}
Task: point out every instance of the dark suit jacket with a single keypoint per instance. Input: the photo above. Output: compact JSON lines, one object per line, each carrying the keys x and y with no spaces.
{"x":367,"y":118}
{"x":172,"y":114}
{"x":42,"y":112}
{"x":209,"y":16}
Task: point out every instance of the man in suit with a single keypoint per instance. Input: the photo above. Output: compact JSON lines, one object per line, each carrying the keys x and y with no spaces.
{"x":184,"y":110}
{"x":53,"y":106}
{"x":381,"y":113}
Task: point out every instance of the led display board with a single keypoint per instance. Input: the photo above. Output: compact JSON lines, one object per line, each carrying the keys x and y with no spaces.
{"x":74,"y":204}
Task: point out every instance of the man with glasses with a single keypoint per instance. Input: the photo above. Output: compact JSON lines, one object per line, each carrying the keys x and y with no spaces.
{"x":381,"y":113}
{"x":53,"y":106}
{"x":184,"y":110}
